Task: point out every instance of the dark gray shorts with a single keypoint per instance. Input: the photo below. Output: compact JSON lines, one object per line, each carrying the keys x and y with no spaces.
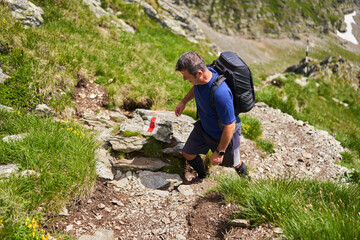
{"x":199,"y":143}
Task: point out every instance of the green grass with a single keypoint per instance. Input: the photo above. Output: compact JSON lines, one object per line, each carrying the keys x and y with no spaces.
{"x":251,"y":129}
{"x":153,"y":148}
{"x":304,"y":209}
{"x":61,"y":153}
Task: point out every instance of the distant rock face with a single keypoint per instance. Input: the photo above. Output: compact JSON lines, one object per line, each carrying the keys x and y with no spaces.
{"x":26,"y":12}
{"x":175,"y":17}
{"x":95,"y":7}
{"x":257,"y":18}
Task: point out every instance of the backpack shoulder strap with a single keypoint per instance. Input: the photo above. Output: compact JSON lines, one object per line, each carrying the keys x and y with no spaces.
{"x":217,"y":82}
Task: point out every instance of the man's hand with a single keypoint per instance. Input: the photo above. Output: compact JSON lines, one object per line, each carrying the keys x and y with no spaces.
{"x":216,"y":159}
{"x":179,"y":109}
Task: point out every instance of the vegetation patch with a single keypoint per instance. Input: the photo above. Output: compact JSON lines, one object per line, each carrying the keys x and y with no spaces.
{"x":251,"y":129}
{"x":304,"y":209}
{"x":153,"y":148}
{"x":61,"y":156}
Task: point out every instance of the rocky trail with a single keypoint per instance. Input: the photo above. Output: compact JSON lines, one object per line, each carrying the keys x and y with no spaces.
{"x":134,"y":199}
{"x":137,"y":197}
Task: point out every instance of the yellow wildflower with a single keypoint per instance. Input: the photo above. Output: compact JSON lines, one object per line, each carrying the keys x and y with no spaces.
{"x":4,"y":21}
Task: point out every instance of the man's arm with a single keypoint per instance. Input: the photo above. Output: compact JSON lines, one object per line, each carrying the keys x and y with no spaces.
{"x":181,"y":106}
{"x":225,"y":139}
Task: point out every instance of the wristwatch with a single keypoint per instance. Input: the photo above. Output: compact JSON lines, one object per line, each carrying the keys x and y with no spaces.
{"x":220,"y":152}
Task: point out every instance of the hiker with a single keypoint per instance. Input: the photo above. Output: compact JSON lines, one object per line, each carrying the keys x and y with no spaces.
{"x":207,"y":133}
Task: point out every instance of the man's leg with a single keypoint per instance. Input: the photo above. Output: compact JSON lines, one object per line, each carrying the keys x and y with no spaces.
{"x":194,"y":146}
{"x":196,"y":163}
{"x":232,"y":154}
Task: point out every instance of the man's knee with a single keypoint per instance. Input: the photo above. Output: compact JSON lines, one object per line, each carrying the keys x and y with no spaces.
{"x":188,"y":156}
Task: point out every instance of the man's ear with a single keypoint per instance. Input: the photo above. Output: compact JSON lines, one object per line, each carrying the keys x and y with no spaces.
{"x":199,"y":74}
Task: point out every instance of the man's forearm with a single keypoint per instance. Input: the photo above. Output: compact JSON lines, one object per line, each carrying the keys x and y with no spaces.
{"x":189,"y":96}
{"x":226,"y":136}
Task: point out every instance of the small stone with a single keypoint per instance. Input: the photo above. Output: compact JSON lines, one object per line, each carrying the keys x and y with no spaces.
{"x":101,"y":206}
{"x":118,"y":175}
{"x":89,"y":201}
{"x":165,"y":220}
{"x":82,"y":95}
{"x":118,"y":203}
{"x":180,"y":237}
{"x":306,"y":155}
{"x":64,"y":212}
{"x":317,"y":170}
{"x":173,"y":215}
{"x":278,"y":231}
{"x":128,"y":174}
{"x":289,"y":164}
{"x":92,"y":96}
{"x":240,"y":223}
{"x":69,"y":228}
{"x":185,"y":190}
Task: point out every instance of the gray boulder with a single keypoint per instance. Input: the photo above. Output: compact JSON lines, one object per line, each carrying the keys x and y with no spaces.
{"x":5,"y":108}
{"x":17,"y":137}
{"x":3,"y":76}
{"x":142,"y":163}
{"x":101,"y":234}
{"x":156,"y":180}
{"x":6,"y":170}
{"x":95,"y":7}
{"x":28,"y":13}
{"x":174,"y":17}
{"x":43,"y":110}
{"x":166,"y":126}
{"x":127,"y":144}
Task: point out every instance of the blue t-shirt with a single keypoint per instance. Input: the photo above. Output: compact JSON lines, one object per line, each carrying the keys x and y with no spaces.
{"x":223,"y":103}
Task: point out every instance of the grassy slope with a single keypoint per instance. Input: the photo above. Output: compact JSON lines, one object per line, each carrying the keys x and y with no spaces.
{"x":63,"y":158}
{"x":71,"y":40}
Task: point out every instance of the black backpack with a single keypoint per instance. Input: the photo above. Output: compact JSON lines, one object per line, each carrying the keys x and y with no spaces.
{"x":237,"y":75}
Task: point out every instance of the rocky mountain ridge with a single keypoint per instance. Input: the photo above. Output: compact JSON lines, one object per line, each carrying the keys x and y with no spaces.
{"x":256,"y":19}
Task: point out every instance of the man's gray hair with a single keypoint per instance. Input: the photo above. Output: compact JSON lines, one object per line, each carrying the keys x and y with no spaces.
{"x":192,"y":62}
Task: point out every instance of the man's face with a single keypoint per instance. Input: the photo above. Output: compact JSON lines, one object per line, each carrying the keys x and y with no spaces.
{"x":189,"y":77}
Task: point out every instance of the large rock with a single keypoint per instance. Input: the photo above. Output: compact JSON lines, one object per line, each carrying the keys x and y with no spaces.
{"x":44,"y":110}
{"x":175,"y":151}
{"x":174,"y":17}
{"x":162,"y":125}
{"x":5,"y":108}
{"x":17,"y":137}
{"x":95,"y":7}
{"x":127,"y":144}
{"x":101,"y":234}
{"x":142,"y":163}
{"x":103,"y":171}
{"x":3,"y":76}
{"x":26,"y":12}
{"x":6,"y":170}
{"x":156,"y":180}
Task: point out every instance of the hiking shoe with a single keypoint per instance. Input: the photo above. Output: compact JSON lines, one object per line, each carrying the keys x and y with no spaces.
{"x":195,"y":180}
{"x":242,"y":171}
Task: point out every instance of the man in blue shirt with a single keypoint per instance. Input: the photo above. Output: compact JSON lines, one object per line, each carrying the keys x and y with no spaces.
{"x":218,"y":130}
